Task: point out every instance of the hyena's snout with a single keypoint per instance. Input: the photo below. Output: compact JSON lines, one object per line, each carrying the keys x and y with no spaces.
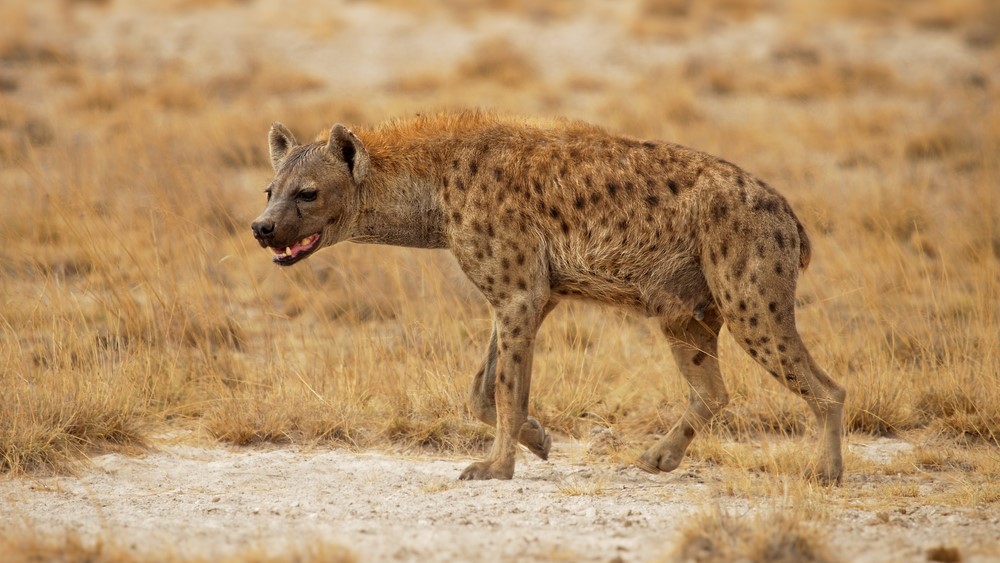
{"x":263,"y":231}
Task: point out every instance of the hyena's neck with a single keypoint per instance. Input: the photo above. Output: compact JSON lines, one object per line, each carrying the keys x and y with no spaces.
{"x":400,"y":205}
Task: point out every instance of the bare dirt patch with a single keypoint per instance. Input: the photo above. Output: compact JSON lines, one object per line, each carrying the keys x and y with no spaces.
{"x":412,"y":508}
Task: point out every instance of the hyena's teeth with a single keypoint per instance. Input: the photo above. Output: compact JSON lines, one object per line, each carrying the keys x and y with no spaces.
{"x":288,"y":250}
{"x":305,"y":241}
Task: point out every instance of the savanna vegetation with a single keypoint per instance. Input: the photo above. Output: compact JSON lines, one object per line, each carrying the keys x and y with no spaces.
{"x":134,"y":300}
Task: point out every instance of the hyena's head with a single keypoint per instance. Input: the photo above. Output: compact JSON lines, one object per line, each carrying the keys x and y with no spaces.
{"x":313,"y":200}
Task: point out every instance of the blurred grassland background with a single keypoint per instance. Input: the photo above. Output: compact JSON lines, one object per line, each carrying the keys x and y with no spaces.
{"x":135,"y":304}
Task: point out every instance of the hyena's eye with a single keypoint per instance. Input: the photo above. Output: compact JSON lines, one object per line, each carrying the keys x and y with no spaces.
{"x":307,"y":195}
{"x":268,"y":192}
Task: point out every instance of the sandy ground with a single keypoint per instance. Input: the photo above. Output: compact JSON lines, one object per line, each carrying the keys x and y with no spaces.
{"x":413,"y":508}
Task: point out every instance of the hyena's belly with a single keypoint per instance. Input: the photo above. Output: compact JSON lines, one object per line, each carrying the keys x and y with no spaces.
{"x":657,"y":286}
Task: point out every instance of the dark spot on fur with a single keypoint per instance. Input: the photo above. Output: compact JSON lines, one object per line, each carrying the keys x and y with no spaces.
{"x":769,"y":205}
{"x":520,"y":259}
{"x":772,"y":306}
{"x":672,"y":185}
{"x":521,"y":284}
{"x":698,"y":358}
{"x":537,"y":185}
{"x":503,"y":378}
{"x":623,"y":225}
{"x":505,"y":264}
{"x":753,"y":321}
{"x":612,"y":189}
{"x":652,"y":200}
{"x":517,"y":358}
{"x":456,"y":217}
{"x":595,"y":197}
{"x":649,"y":145}
{"x":480,"y":255}
{"x":790,"y":376}
{"x":781,"y":347}
{"x":740,"y":181}
{"x":743,"y":305}
{"x":778,"y":269}
{"x":780,"y":239}
{"x":724,"y":249}
{"x":473,"y":167}
{"x":554,"y":212}
{"x":719,"y":211}
{"x":490,"y":231}
{"x":753,"y":352}
{"x":565,"y":227}
{"x":517,"y":330}
{"x":580,"y":202}
{"x":629,"y":187}
{"x":497,"y":174}
{"x":740,"y":267}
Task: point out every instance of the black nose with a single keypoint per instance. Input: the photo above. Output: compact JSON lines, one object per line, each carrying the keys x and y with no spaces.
{"x":262,"y":229}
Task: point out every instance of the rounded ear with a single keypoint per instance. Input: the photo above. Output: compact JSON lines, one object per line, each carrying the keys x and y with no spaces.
{"x":344,"y":144}
{"x":281,"y":141}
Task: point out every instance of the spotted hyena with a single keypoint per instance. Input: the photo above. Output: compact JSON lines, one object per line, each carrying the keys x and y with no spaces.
{"x":540,"y":211}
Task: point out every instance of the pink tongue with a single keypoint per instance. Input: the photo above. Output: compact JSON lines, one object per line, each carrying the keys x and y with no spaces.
{"x":295,"y":249}
{"x":298,"y":247}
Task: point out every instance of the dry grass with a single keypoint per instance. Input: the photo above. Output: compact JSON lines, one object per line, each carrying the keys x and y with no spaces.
{"x":28,"y":545}
{"x":784,"y":535}
{"x":132,"y":296}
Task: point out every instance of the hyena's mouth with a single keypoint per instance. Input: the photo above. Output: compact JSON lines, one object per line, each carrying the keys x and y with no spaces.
{"x":292,"y":254}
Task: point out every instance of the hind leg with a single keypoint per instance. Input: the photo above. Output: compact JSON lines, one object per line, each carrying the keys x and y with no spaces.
{"x":766,"y":330}
{"x":482,"y":400}
{"x":694,"y":347}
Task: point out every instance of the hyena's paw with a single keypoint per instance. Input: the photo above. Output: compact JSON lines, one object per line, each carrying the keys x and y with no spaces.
{"x":825,"y":473}
{"x":534,"y":437}
{"x":487,"y":469}
{"x":656,"y":460}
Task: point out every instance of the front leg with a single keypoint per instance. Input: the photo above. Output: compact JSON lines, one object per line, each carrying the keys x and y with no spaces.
{"x":482,"y":398}
{"x":517,"y":321}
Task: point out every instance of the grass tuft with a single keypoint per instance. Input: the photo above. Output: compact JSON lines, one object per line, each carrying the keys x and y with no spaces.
{"x":779,"y":536}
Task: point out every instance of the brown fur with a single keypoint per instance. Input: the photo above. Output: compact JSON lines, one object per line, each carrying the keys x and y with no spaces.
{"x":539,"y":211}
